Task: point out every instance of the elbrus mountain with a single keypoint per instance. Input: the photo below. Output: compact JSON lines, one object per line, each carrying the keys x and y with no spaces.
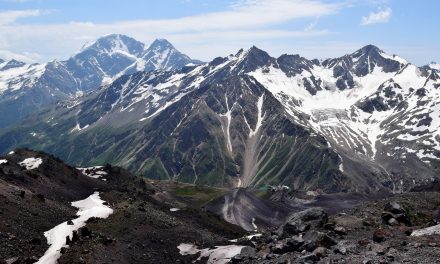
{"x":25,"y":88}
{"x":366,"y":122}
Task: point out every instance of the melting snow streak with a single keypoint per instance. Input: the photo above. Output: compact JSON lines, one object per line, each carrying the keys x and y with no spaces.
{"x":93,"y":206}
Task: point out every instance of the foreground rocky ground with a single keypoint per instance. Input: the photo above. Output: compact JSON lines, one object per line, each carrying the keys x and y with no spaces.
{"x":374,"y":232}
{"x":152,"y":219}
{"x":142,"y":228}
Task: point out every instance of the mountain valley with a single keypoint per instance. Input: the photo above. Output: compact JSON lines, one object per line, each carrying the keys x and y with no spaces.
{"x":366,"y":122}
{"x":247,"y":158}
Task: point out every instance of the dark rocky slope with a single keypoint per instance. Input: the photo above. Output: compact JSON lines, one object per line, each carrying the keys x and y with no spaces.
{"x":141,"y":230}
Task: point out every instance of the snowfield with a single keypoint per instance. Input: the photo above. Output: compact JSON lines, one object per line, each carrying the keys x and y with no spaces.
{"x":93,"y":172}
{"x":31,"y":163}
{"x":219,"y":255}
{"x":3,"y":161}
{"x":20,"y":77}
{"x":90,"y":207}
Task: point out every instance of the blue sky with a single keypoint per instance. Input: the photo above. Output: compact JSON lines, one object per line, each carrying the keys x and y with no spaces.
{"x":42,"y":30}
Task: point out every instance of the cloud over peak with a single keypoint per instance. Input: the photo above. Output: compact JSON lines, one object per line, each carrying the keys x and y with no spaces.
{"x":380,"y":16}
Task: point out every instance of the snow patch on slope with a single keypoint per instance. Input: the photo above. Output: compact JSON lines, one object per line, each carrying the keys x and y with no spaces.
{"x":228,"y":124}
{"x":277,"y":82}
{"x":31,"y":163}
{"x":429,"y":231}
{"x":435,"y":66}
{"x":93,"y":172}
{"x":394,"y":57}
{"x":260,"y":116}
{"x":90,"y":207}
{"x":19,"y":77}
{"x":218,"y":255}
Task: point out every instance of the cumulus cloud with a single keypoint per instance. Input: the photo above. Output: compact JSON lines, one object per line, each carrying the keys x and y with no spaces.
{"x":380,"y":16}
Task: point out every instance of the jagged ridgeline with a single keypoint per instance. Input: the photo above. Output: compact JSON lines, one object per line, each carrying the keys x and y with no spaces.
{"x":25,"y":88}
{"x":364,"y":122}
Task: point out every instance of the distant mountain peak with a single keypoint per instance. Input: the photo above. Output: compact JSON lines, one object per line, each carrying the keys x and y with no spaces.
{"x":161,"y":43}
{"x":255,"y":50}
{"x":12,"y":64}
{"x":371,"y":48}
{"x":252,"y":59}
{"x":112,"y":42}
{"x":254,"y":53}
{"x":368,"y":50}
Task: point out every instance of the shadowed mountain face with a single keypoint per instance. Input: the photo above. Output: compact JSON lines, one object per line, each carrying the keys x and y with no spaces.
{"x":25,"y":88}
{"x":365,"y":122}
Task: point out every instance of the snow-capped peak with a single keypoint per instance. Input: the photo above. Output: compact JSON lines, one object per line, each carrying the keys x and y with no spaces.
{"x":162,"y":55}
{"x":374,"y":53}
{"x":434,"y":66}
{"x":367,"y":50}
{"x":249,"y":60}
{"x":161,"y":44}
{"x":11,"y":64}
{"x":114,"y":43}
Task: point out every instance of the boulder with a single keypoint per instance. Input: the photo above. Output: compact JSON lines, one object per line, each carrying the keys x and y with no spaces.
{"x":314,"y":239}
{"x":340,"y":230}
{"x":340,"y":249}
{"x":391,"y":254}
{"x":302,"y":221}
{"x":68,"y":240}
{"x":320,"y":252}
{"x":75,"y":236}
{"x":393,"y":222}
{"x":381,"y":235}
{"x":394,"y":214}
{"x":386,"y":216}
{"x":287,"y":245}
{"x":379,"y":249}
{"x":394,"y":208}
{"x":310,"y":258}
{"x":248,"y":252}
{"x":403,"y":218}
{"x":85,"y":232}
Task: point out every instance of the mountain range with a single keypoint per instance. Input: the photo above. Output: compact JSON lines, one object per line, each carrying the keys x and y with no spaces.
{"x":365,"y":122}
{"x":25,"y":88}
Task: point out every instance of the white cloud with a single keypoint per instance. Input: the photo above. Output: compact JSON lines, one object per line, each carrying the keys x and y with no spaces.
{"x":381,"y":16}
{"x":8,"y":17}
{"x":244,"y":22}
{"x":28,"y":57}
